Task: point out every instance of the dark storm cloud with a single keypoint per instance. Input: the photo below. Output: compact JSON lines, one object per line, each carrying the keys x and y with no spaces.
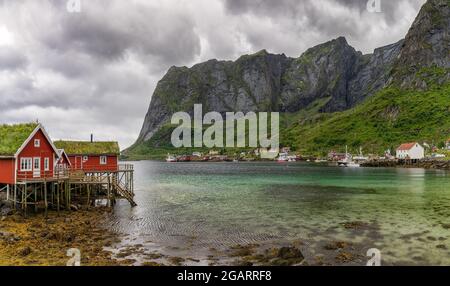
{"x":321,"y":16}
{"x":108,"y":30}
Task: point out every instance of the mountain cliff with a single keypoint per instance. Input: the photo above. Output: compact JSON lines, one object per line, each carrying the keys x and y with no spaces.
{"x":324,"y":81}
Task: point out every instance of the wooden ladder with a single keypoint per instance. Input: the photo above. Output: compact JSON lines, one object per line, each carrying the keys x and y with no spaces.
{"x":124,"y":193}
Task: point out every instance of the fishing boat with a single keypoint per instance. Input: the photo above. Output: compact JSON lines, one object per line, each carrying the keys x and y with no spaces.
{"x":348,"y":161}
{"x":283,"y":158}
{"x":171,"y":159}
{"x":360,"y":157}
{"x":292,"y":158}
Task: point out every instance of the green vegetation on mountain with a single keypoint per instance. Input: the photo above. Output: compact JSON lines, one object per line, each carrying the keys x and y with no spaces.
{"x":382,"y":122}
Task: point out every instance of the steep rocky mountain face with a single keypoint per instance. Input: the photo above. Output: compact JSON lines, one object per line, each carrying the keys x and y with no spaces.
{"x":268,"y":82}
{"x":427,"y":45}
{"x":332,"y":74}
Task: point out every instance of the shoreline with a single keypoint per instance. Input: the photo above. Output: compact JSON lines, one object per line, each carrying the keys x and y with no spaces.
{"x":425,"y":164}
{"x":40,"y":241}
{"x":44,"y":241}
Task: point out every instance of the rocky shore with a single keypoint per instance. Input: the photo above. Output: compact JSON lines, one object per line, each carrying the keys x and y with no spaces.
{"x":40,"y":241}
{"x":426,"y":164}
{"x":44,"y":241}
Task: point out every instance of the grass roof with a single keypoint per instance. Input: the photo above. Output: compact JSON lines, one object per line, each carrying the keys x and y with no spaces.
{"x":88,"y":148}
{"x":13,"y":136}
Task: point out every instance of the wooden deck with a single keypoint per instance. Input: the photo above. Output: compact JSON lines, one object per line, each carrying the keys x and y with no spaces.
{"x":63,"y":188}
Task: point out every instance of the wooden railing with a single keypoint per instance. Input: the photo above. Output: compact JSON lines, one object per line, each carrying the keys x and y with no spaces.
{"x":64,"y":173}
{"x":126,"y":167}
{"x":43,"y":175}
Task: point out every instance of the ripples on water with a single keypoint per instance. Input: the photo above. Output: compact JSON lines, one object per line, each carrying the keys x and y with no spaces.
{"x":206,"y":205}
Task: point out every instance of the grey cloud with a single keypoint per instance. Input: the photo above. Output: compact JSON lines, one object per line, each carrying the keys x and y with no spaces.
{"x":300,"y":8}
{"x":108,"y":30}
{"x":321,"y":19}
{"x":11,"y":59}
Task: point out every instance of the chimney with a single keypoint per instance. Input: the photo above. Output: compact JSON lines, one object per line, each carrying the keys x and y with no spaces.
{"x":92,"y":138}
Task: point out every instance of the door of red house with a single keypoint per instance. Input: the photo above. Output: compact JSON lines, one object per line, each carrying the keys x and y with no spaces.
{"x":36,"y":167}
{"x":78,"y":163}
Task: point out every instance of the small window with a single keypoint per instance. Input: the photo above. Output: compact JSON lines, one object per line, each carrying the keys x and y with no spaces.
{"x":25,"y":164}
{"x":85,"y":158}
{"x":47,"y":164}
{"x":37,"y":143}
{"x":103,"y":160}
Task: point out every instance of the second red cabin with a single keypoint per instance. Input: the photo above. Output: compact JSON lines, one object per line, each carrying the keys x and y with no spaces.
{"x":91,"y":156}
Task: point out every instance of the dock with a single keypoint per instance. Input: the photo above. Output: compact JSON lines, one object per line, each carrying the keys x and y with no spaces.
{"x":68,"y":189}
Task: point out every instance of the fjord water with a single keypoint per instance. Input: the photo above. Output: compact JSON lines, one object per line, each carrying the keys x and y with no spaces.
{"x":198,"y":206}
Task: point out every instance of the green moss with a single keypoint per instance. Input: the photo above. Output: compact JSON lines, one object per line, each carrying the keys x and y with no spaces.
{"x":88,"y":148}
{"x":13,"y":136}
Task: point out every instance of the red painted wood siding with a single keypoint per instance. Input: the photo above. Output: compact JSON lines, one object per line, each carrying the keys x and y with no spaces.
{"x":63,"y":161}
{"x":7,"y":169}
{"x":44,"y":151}
{"x":93,"y":163}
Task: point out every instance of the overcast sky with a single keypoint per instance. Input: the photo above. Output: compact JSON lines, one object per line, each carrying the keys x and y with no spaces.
{"x":95,"y":71}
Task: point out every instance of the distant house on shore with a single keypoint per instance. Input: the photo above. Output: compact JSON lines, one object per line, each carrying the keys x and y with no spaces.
{"x":91,"y":156}
{"x":413,"y":151}
{"x":26,"y":153}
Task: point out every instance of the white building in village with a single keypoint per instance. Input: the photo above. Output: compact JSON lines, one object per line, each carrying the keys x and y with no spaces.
{"x":413,"y":151}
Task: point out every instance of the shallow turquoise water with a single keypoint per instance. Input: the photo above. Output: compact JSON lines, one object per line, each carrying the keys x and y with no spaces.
{"x":406,"y":212}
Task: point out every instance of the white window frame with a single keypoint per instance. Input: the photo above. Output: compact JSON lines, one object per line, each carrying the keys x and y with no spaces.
{"x":37,"y":143}
{"x":46,"y":164}
{"x":28,"y":163}
{"x":103,"y":160}
{"x":85,"y":158}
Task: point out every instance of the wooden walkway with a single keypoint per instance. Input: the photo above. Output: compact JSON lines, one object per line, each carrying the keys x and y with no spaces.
{"x":84,"y":188}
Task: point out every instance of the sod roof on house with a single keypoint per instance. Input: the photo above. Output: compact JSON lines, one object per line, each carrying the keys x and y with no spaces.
{"x":88,"y":148}
{"x":13,"y":136}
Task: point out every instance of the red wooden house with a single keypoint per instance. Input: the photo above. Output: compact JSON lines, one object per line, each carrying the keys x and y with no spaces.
{"x":63,"y":160}
{"x":26,"y":153}
{"x":91,"y":156}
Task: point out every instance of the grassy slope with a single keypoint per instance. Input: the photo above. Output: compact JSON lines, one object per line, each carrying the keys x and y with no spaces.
{"x":381,"y":122}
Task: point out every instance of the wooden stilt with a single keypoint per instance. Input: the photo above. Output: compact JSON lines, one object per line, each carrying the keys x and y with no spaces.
{"x":109,"y":192}
{"x":15,"y":196}
{"x":57,"y":196}
{"x":88,"y":187}
{"x":45,"y":200}
{"x":35,"y":198}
